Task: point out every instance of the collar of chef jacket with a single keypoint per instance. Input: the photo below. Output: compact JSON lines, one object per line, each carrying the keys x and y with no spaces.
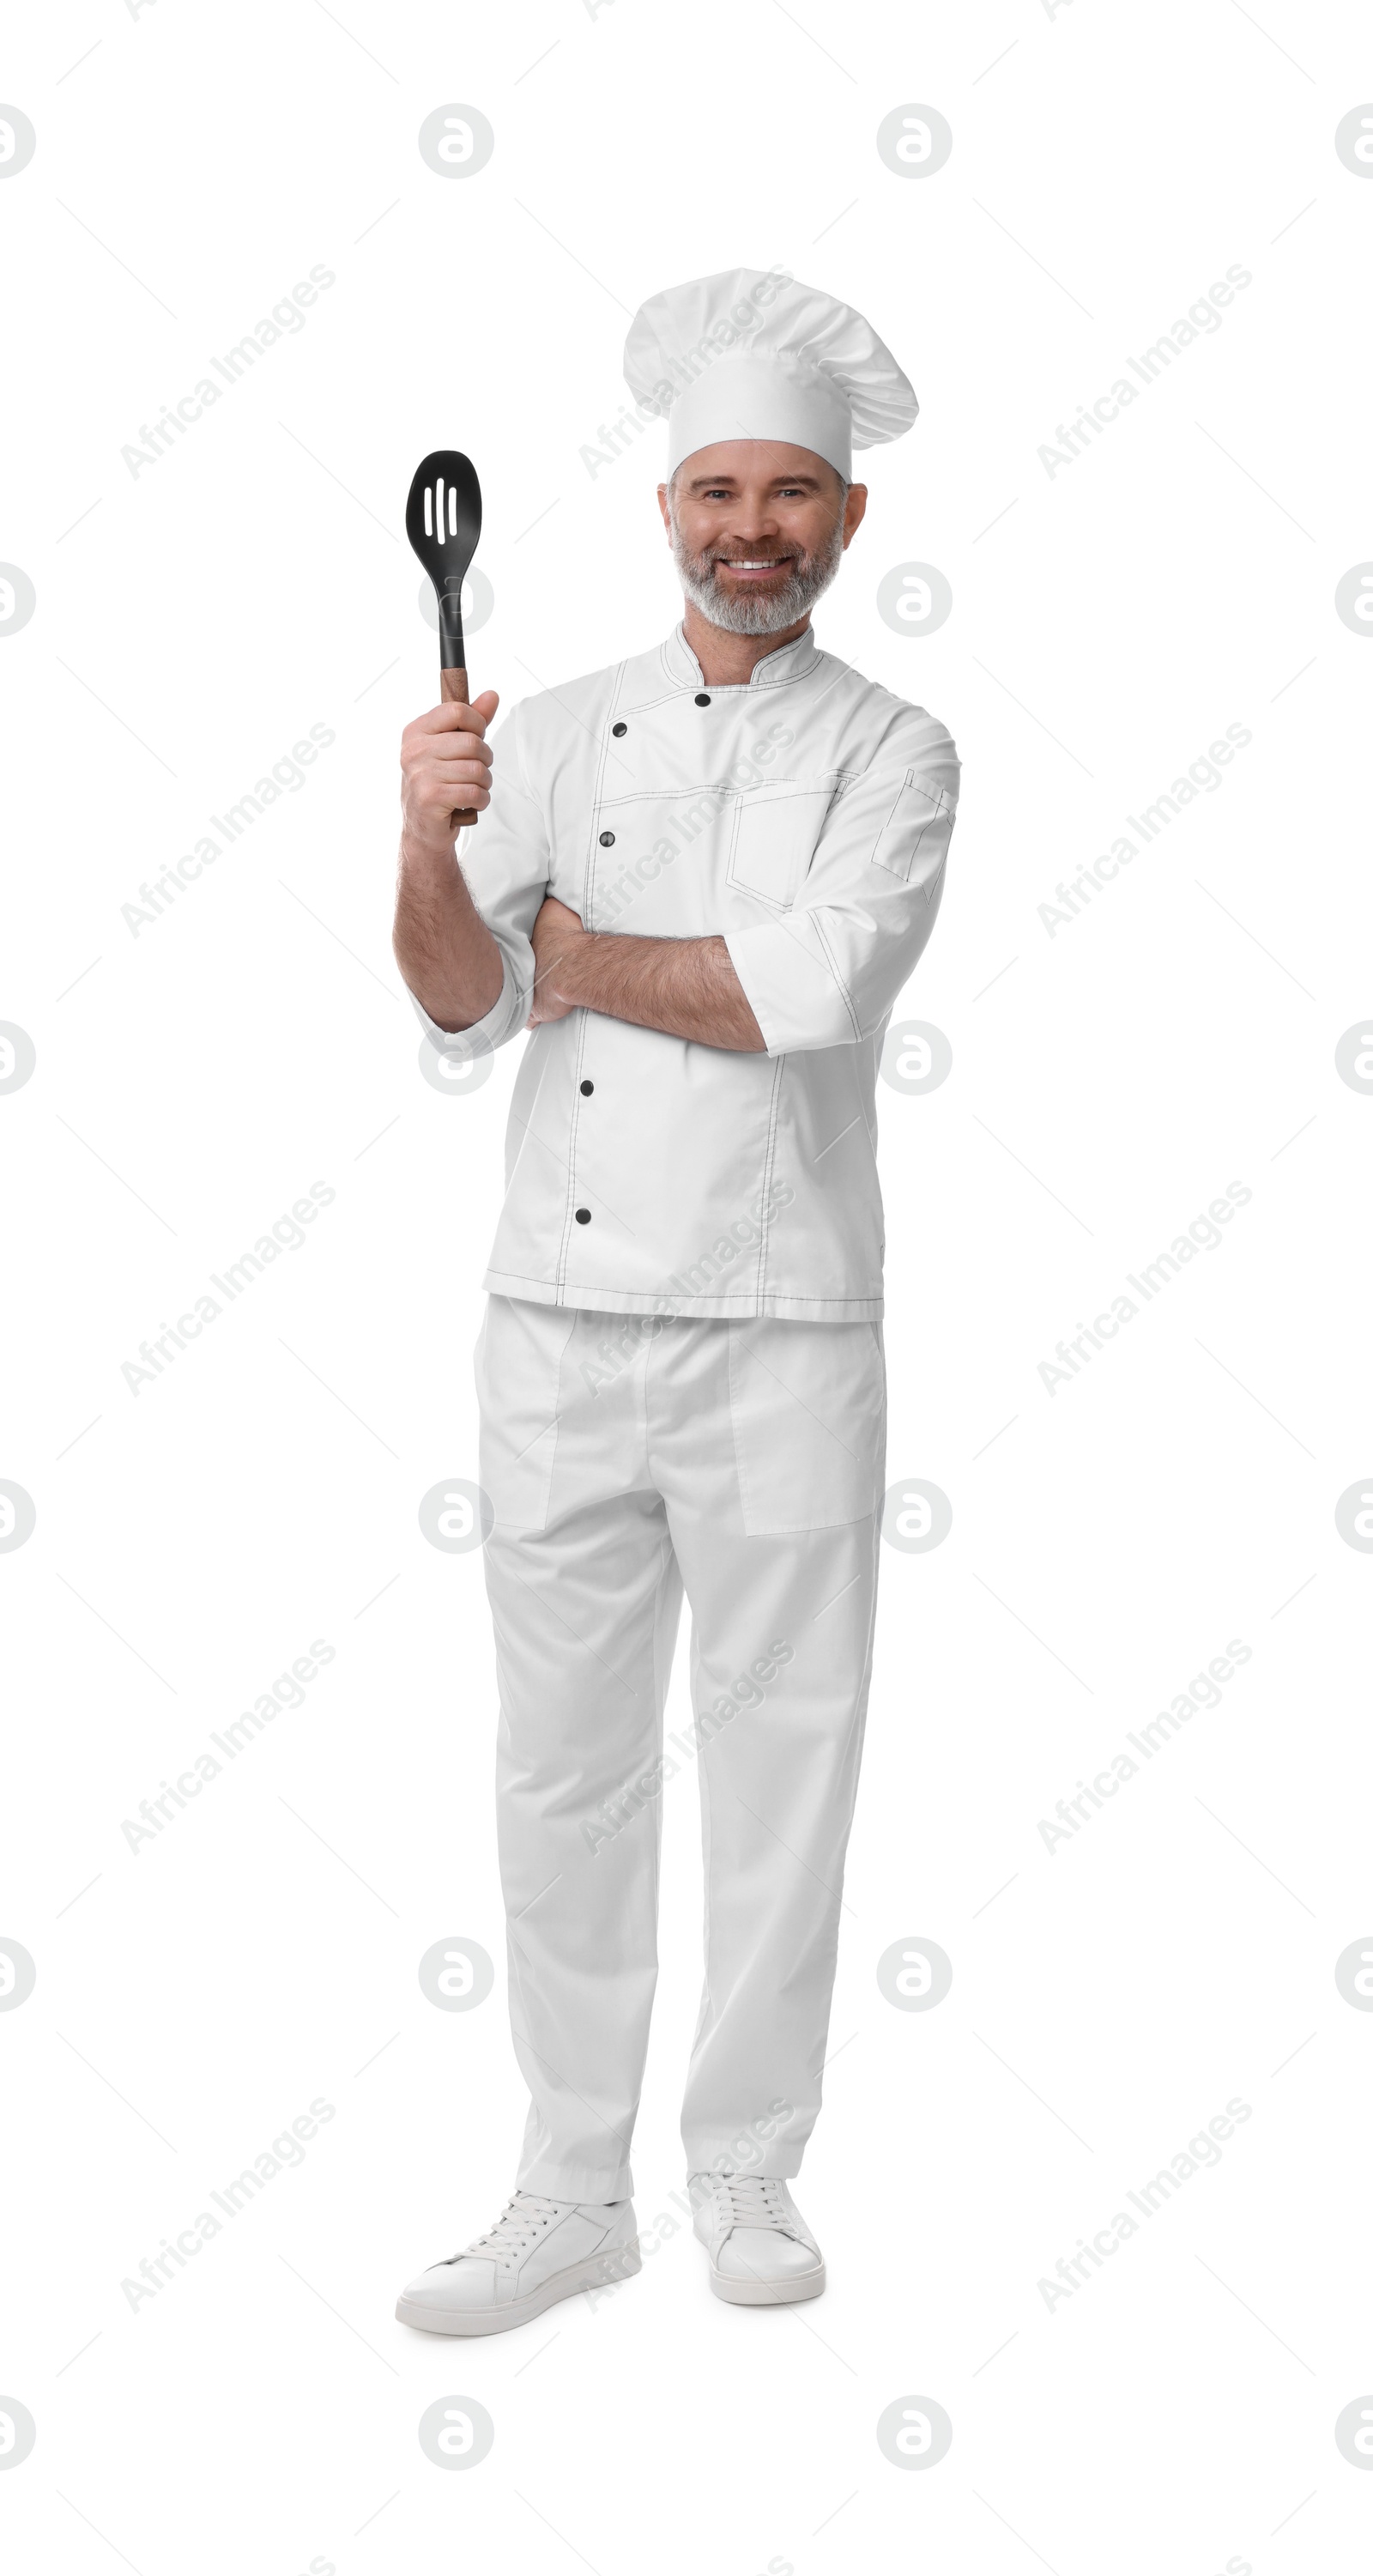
{"x":805,"y":818}
{"x":788,"y":662}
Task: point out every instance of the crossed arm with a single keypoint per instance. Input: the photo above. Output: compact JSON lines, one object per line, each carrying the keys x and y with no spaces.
{"x":686,"y":987}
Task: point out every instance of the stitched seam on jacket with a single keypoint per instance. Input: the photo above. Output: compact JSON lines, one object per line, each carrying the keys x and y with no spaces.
{"x":615,"y":1288}
{"x":597,"y":797}
{"x":810,"y":785}
{"x":565,"y":1247}
{"x":840,"y":984}
{"x":769,"y":1156}
{"x":886,"y":827}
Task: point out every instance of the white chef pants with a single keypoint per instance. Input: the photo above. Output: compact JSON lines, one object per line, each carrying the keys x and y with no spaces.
{"x":627,"y":1457}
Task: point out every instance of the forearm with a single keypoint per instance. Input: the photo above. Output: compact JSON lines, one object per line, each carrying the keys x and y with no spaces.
{"x":685,"y":987}
{"x":442,"y":946}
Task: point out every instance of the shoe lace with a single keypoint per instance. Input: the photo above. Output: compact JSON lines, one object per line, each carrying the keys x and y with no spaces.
{"x":753,"y":2200}
{"x":522,"y":2220}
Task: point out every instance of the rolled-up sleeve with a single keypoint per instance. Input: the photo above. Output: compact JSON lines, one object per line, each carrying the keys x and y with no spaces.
{"x":505,"y":860}
{"x":827,"y":972}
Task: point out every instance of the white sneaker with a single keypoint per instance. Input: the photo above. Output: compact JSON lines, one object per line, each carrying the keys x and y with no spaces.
{"x":762,"y":2254}
{"x":539,"y":2251}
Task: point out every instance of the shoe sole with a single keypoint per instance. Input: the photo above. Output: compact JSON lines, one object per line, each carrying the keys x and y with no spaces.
{"x":598,"y":2272}
{"x":768,"y":2294}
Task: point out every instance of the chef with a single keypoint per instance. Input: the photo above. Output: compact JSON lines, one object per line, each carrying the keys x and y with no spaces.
{"x":700,"y":879}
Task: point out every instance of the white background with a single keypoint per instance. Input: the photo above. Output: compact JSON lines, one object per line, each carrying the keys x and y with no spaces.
{"x":1108,"y":1540}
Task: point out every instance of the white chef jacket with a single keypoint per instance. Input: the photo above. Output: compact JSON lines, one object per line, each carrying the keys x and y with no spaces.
{"x":804,"y":817}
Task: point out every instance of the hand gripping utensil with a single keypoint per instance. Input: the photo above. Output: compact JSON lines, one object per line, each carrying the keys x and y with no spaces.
{"x":443,"y":520}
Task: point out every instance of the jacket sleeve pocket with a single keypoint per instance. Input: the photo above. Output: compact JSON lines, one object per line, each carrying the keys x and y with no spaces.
{"x":914,"y":839}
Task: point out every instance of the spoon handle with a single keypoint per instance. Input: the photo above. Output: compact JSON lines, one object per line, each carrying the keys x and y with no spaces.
{"x":454,"y":693}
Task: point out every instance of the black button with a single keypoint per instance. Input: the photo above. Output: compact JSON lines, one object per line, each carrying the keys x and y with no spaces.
{"x":703,"y":700}
{"x":607,"y":840}
{"x":588,"y":1088}
{"x":583,"y":1216}
{"x":617,"y":730}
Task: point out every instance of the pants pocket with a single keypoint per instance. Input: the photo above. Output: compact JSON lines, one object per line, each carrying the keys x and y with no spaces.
{"x":808,"y":1413}
{"x":518,"y":1367}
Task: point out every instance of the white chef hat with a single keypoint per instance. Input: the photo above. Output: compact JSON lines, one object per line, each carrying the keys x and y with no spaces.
{"x":754,"y":354}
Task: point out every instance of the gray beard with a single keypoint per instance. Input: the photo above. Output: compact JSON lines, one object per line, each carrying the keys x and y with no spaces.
{"x":745,"y":616}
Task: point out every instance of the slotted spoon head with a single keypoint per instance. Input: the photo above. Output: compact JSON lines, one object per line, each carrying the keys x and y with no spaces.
{"x":443,"y":520}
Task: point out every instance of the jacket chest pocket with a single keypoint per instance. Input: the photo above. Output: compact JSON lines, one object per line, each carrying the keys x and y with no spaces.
{"x":776,"y":827}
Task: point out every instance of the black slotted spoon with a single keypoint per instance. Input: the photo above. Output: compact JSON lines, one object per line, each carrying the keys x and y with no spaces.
{"x":443,"y":520}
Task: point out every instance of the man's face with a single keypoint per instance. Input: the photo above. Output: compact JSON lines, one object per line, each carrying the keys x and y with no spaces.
{"x":757,"y":530}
